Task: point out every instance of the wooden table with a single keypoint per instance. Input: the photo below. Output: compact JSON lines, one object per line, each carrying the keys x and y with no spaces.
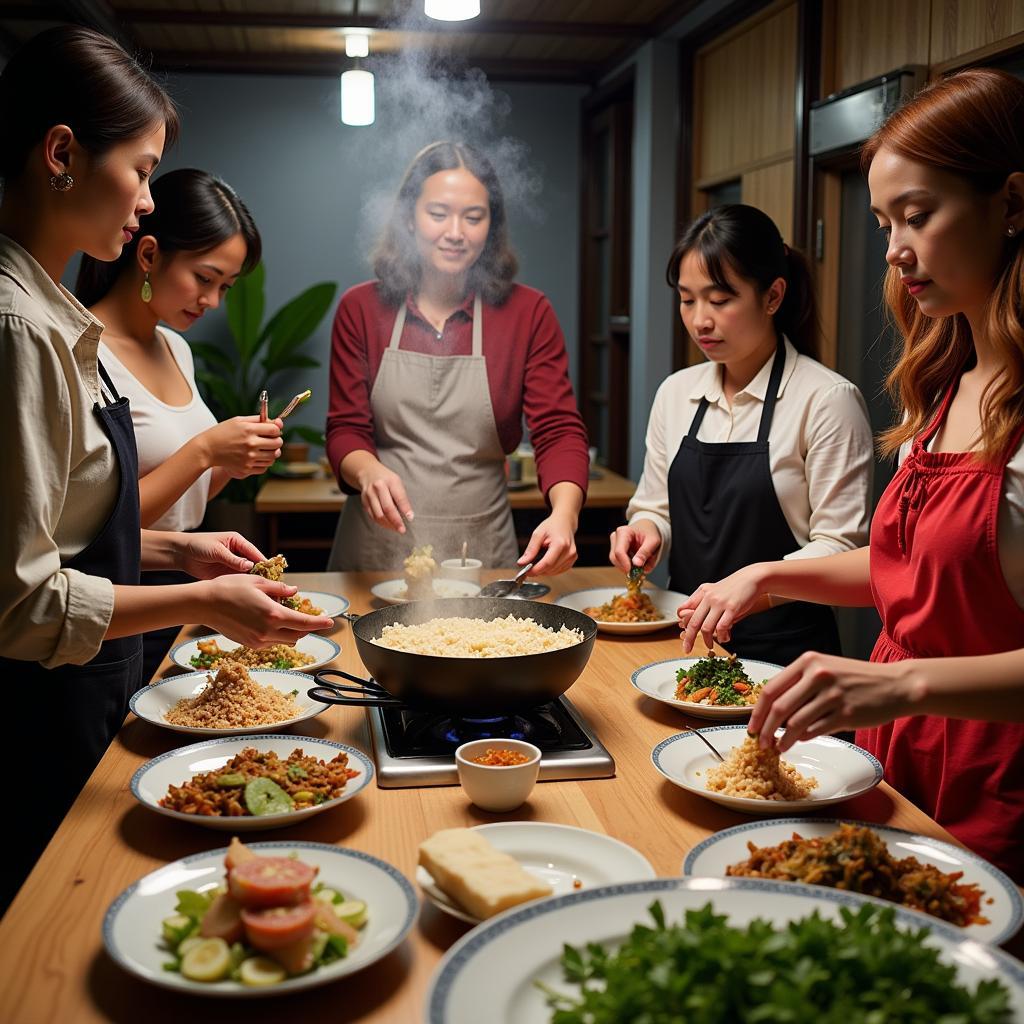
{"x":314,"y":497}
{"x":55,"y":968}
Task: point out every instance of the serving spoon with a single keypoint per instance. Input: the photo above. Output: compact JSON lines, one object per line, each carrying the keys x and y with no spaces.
{"x":505,"y":588}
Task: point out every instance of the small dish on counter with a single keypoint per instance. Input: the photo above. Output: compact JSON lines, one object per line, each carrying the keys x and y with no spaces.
{"x":666,"y":601}
{"x":568,"y":859}
{"x":152,"y":702}
{"x":498,"y":774}
{"x":150,"y":784}
{"x":396,"y":591}
{"x":1001,"y":902}
{"x":839,"y":769}
{"x":658,"y":681}
{"x":320,"y":649}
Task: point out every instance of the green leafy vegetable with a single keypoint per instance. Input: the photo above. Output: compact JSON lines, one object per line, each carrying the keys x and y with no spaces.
{"x":194,"y":904}
{"x":862,"y":969}
{"x":719,"y":673}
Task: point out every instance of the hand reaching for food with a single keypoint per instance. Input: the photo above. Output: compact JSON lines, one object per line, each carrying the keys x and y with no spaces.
{"x":635,"y":546}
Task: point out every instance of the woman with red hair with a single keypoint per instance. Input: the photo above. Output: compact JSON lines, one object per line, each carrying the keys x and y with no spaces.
{"x":941,"y":702}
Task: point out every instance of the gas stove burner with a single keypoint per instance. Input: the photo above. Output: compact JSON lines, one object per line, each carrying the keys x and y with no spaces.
{"x":510,"y":727}
{"x":417,"y":748}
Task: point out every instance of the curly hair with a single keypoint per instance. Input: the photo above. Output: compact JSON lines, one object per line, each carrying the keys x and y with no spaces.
{"x":395,"y":260}
{"x":971,"y":125}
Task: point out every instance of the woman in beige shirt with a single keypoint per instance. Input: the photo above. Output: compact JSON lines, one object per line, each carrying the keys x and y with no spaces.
{"x":83,"y":128}
{"x":761,"y":448}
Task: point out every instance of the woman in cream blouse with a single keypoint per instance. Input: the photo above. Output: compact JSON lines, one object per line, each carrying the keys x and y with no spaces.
{"x":761,"y":448}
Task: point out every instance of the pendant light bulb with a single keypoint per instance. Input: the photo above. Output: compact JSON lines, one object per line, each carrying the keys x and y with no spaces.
{"x":451,"y":10}
{"x":357,"y":44}
{"x":357,"y":101}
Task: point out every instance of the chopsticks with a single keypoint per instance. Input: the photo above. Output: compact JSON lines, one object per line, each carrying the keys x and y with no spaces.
{"x":288,"y":409}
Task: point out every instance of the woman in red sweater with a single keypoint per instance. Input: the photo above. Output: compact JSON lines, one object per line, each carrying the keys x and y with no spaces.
{"x":435,"y":364}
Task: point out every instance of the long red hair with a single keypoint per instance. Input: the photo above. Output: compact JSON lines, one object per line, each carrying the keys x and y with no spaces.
{"x":970,"y":124}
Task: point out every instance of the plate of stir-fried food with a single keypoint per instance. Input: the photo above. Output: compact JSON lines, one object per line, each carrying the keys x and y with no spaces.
{"x":915,"y":871}
{"x":251,"y":782}
{"x":715,"y":686}
{"x":632,"y":609}
{"x":309,"y":602}
{"x":205,"y":652}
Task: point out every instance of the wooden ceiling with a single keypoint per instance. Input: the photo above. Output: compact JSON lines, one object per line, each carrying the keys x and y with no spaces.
{"x":524,"y":40}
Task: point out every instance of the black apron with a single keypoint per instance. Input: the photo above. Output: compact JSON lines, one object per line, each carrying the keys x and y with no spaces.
{"x":63,"y":719}
{"x":725,"y":515}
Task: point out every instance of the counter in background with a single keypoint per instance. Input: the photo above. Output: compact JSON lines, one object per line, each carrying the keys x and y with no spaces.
{"x":301,"y":515}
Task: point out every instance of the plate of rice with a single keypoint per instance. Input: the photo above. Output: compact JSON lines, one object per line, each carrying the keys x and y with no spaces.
{"x":230,"y":701}
{"x":812,"y":774}
{"x":210,"y":783}
{"x":210,"y":652}
{"x":607,"y":607}
{"x":665,"y":680}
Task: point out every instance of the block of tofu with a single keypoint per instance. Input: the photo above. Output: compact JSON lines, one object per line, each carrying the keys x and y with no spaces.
{"x":482,"y":880}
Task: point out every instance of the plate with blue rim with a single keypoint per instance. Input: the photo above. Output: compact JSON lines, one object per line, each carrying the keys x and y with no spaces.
{"x":666,"y":601}
{"x":841,"y":770}
{"x":1001,"y":901}
{"x":149,"y":785}
{"x":498,"y":964}
{"x":152,"y":702}
{"x":329,"y":604}
{"x":658,"y":681}
{"x":321,"y":649}
{"x":132,"y":924}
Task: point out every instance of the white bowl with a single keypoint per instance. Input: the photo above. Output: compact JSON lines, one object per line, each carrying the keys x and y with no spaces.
{"x":495,"y":787}
{"x":453,"y":569}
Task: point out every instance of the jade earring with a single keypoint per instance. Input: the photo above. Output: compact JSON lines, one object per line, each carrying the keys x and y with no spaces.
{"x":147,"y":289}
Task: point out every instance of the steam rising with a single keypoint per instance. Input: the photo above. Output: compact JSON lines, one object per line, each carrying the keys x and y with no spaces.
{"x":424,"y":96}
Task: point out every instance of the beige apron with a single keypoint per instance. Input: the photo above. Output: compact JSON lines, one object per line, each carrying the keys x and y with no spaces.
{"x":434,"y":426}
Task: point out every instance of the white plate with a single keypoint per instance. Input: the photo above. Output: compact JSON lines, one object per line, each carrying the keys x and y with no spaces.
{"x":153,"y":702}
{"x":667,"y":601}
{"x":489,"y":974}
{"x":131,"y":927}
{"x":557,"y":854}
{"x":150,"y":783}
{"x":394,"y":591}
{"x":332,"y":604}
{"x":321,"y":648}
{"x":1005,"y":912}
{"x":842,"y":770}
{"x":658,"y":681}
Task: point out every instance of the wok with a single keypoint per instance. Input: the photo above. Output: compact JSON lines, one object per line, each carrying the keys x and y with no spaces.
{"x":460,"y":686}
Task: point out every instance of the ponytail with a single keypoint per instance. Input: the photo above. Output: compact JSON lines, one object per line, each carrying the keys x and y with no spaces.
{"x":747,"y":240}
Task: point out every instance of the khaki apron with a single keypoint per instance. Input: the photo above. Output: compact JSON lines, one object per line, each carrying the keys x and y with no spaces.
{"x":434,"y":427}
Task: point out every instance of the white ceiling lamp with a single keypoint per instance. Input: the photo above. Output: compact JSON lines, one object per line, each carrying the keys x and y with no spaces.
{"x":357,"y":98}
{"x":451,"y":10}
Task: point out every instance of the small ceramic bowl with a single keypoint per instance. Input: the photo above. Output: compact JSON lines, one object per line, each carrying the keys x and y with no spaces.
{"x":495,"y":787}
{"x":453,"y":569}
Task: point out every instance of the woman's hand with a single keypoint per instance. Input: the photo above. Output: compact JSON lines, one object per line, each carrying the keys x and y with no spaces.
{"x":714,"y":608}
{"x":208,"y":555}
{"x":242,"y":445}
{"x":637,"y":544}
{"x":384,"y":498}
{"x":822,"y":693}
{"x":246,"y":609}
{"x":556,"y":534}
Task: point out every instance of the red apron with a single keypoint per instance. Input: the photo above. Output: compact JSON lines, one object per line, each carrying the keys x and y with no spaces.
{"x":940,"y":591}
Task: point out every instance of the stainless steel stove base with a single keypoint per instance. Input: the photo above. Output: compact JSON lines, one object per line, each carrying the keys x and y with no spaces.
{"x":408,"y":772}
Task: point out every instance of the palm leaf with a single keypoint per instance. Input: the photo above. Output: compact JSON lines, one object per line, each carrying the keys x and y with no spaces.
{"x":245,"y":312}
{"x":213,"y":356}
{"x":294,"y":322}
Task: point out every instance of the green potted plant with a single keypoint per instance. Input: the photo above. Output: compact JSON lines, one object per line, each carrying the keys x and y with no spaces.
{"x":231,"y":378}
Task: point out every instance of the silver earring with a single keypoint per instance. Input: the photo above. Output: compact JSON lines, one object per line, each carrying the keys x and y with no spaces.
{"x":61,"y":182}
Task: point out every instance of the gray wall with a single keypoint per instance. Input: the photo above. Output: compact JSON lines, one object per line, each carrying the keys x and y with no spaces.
{"x":279,"y":142}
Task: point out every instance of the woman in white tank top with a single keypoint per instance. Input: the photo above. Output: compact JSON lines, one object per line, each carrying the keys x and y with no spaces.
{"x":181,"y":262}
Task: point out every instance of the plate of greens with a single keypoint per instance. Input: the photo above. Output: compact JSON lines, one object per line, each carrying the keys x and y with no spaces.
{"x":714,"y":687}
{"x":725,"y":951}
